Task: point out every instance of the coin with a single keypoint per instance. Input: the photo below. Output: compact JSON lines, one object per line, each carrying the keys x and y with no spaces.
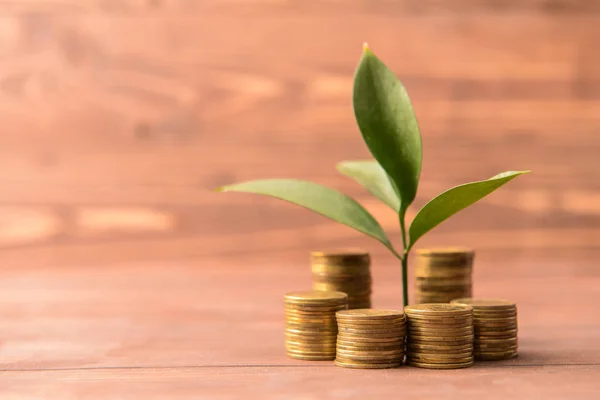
{"x":439,"y":366}
{"x":352,"y":364}
{"x":436,"y":359}
{"x":486,"y":304}
{"x":310,"y":324}
{"x":439,"y":348}
{"x":305,"y":357}
{"x":371,"y":357}
{"x":495,"y":327}
{"x":369,"y":315}
{"x":370,"y":336}
{"x":438,"y":309}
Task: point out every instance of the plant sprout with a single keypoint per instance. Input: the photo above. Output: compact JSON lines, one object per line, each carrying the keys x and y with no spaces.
{"x":389,"y":128}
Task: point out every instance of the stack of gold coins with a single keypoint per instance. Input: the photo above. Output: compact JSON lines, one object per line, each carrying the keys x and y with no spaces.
{"x":443,"y":274}
{"x":347,"y":271}
{"x":370,"y":338}
{"x":310,"y":324}
{"x":495,"y":323}
{"x":440,"y":336}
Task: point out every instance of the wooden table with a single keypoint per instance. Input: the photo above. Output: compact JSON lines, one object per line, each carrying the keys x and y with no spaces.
{"x":205,"y":330}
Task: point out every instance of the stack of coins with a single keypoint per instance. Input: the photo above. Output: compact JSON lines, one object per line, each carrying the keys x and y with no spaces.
{"x":495,"y":323}
{"x":370,"y":338}
{"x":443,"y":274}
{"x":310,"y":324}
{"x":440,"y":336}
{"x":347,"y":271}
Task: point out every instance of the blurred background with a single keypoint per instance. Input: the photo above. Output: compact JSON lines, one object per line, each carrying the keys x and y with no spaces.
{"x":120,"y":117}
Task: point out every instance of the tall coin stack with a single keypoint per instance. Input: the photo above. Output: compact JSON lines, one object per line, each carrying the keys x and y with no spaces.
{"x":370,"y":338}
{"x":496,"y":329}
{"x":310,"y":324}
{"x":347,"y":271}
{"x":440,"y":336}
{"x":443,"y":274}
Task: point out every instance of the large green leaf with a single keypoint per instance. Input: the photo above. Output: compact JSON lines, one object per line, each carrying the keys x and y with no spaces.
{"x":452,"y":201}
{"x":320,"y":199}
{"x":372,"y":177}
{"x":388,"y":124}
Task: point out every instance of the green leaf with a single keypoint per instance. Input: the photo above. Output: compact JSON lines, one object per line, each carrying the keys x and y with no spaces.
{"x":372,"y":177}
{"x":320,"y":199}
{"x":388,"y":124}
{"x":452,"y":201}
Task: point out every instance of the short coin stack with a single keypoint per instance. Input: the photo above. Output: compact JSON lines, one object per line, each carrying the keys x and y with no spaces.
{"x":347,"y":271}
{"x":310,"y":324}
{"x":495,"y":323}
{"x":370,"y":338}
{"x":440,"y":336}
{"x":443,"y":274}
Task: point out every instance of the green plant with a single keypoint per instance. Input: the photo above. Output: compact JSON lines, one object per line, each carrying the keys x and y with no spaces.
{"x":389,"y":127}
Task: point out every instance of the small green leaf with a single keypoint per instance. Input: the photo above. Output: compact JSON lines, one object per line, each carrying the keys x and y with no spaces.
{"x":372,"y":177}
{"x":388,"y":124}
{"x":452,"y":201}
{"x":320,"y":199}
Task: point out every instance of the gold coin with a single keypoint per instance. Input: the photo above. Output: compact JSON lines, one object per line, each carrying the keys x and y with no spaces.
{"x":455,"y":342}
{"x":439,"y":338}
{"x":314,"y":307}
{"x":357,"y":337}
{"x":345,"y":347}
{"x":479,"y":349}
{"x":372,"y":329}
{"x":434,"y":330}
{"x":398,"y":322}
{"x":311,"y":322}
{"x":439,"y":348}
{"x":443,"y":273}
{"x":325,"y":357}
{"x":438,"y":309}
{"x":485,"y":329}
{"x":311,"y":339}
{"x":340,"y":252}
{"x":495,"y":322}
{"x":493,"y":341}
{"x":310,"y":353}
{"x":486,"y":304}
{"x":441,"y":323}
{"x":396,"y":356}
{"x":439,"y":356}
{"x":350,"y":364}
{"x":439,"y":366}
{"x":353,"y":287}
{"x":368,"y":314}
{"x":382,"y":360}
{"x":367,"y":339}
{"x":301,"y":345}
{"x":496,"y":334}
{"x":439,"y":359}
{"x":495,"y":313}
{"x":495,"y":352}
{"x":316,"y":297}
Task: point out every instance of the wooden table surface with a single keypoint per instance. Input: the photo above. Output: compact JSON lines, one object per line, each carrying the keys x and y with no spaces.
{"x":124,"y":276}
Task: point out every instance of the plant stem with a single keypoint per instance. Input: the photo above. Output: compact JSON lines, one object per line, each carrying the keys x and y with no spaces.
{"x":404,"y":260}
{"x":405,"y":279}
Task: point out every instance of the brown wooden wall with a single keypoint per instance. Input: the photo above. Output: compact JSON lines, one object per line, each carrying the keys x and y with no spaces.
{"x":118,"y":118}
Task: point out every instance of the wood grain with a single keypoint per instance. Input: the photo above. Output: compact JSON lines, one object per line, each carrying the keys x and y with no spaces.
{"x":138,"y":109}
{"x":124,"y":275}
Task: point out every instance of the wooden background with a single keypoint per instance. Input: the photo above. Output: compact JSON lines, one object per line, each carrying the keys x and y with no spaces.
{"x":119,"y":117}
{"x":123,"y":275}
